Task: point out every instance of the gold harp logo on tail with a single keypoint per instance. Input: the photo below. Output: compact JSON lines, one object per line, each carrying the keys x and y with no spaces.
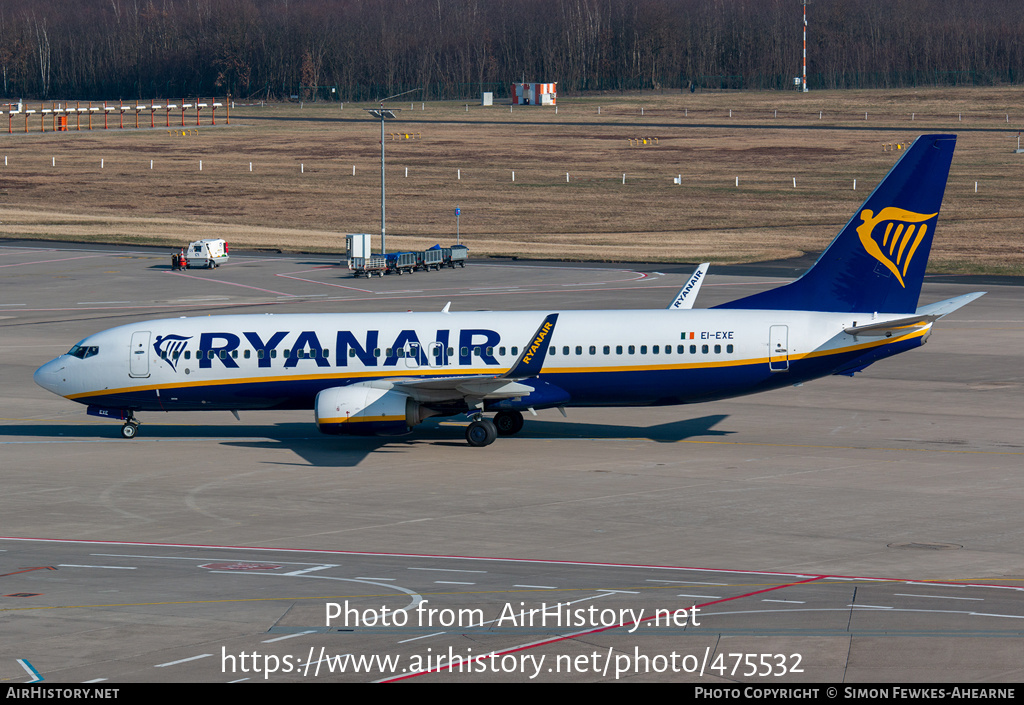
{"x":894,"y":244}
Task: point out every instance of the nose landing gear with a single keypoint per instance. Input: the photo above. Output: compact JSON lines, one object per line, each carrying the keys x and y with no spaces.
{"x":131,"y":426}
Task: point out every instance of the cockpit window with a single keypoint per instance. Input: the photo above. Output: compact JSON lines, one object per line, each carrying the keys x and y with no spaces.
{"x":84,"y":351}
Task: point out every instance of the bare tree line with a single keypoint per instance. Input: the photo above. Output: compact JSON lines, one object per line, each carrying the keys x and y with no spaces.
{"x":366,"y":49}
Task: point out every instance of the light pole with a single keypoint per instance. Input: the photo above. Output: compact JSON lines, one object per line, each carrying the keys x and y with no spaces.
{"x":803,"y":81}
{"x":383,"y":114}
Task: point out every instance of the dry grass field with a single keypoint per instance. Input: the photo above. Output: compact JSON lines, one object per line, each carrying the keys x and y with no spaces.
{"x":301,"y":194}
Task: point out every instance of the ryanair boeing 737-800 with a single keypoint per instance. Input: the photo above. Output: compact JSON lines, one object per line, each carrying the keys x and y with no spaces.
{"x":385,"y":373}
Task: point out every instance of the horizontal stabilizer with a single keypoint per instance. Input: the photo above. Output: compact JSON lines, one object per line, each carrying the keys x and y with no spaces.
{"x":887,"y":329}
{"x":944,"y":308}
{"x":688,"y":294}
{"x":924,"y":317}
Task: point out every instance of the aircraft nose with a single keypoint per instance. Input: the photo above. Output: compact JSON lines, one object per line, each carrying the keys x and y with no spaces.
{"x":49,"y":376}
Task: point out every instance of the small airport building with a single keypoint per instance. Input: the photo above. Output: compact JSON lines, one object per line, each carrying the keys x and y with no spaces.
{"x":534,"y":93}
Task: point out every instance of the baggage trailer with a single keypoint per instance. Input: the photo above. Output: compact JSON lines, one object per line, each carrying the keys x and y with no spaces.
{"x":431,"y":259}
{"x":368,"y":266}
{"x":361,"y":261}
{"x":460,"y":253}
{"x":359,"y":256}
{"x":401,"y":262}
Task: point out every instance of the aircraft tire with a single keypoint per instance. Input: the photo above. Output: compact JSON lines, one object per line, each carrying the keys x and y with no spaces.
{"x":481,"y":433}
{"x":508,"y":423}
{"x":129,"y":430}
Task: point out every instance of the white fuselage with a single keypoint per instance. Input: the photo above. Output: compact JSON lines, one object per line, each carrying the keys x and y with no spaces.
{"x":600,"y":358}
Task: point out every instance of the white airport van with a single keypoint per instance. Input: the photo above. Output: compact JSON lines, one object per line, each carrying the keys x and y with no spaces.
{"x":207,"y":253}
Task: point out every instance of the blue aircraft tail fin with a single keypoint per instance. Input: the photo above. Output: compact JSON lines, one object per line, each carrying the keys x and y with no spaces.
{"x":877,"y":262}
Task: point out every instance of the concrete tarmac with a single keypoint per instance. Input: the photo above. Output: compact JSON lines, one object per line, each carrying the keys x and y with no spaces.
{"x":840,"y":498}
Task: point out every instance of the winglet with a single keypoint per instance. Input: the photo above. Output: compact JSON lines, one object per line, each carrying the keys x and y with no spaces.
{"x":531,"y":361}
{"x":688,"y":294}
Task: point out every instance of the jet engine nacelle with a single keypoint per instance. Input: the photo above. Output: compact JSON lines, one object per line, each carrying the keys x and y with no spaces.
{"x":367,"y":411}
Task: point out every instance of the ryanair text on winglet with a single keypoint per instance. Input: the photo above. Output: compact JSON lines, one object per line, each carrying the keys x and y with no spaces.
{"x":537,"y":342}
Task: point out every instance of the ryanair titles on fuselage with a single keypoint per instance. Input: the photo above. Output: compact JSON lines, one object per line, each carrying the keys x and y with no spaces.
{"x":220,"y":346}
{"x":367,"y":348}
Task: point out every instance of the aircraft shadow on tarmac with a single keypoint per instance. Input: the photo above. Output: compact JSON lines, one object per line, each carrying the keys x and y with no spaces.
{"x":331,"y":451}
{"x":350,"y":451}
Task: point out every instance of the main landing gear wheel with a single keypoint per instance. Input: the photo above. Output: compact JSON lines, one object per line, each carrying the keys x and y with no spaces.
{"x":481,"y":433}
{"x":130,"y":429}
{"x":508,"y":423}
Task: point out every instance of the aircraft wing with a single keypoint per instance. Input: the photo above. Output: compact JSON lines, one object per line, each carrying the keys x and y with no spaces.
{"x":688,"y":294}
{"x":479,"y":387}
{"x":438,"y":389}
{"x":923,"y":317}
